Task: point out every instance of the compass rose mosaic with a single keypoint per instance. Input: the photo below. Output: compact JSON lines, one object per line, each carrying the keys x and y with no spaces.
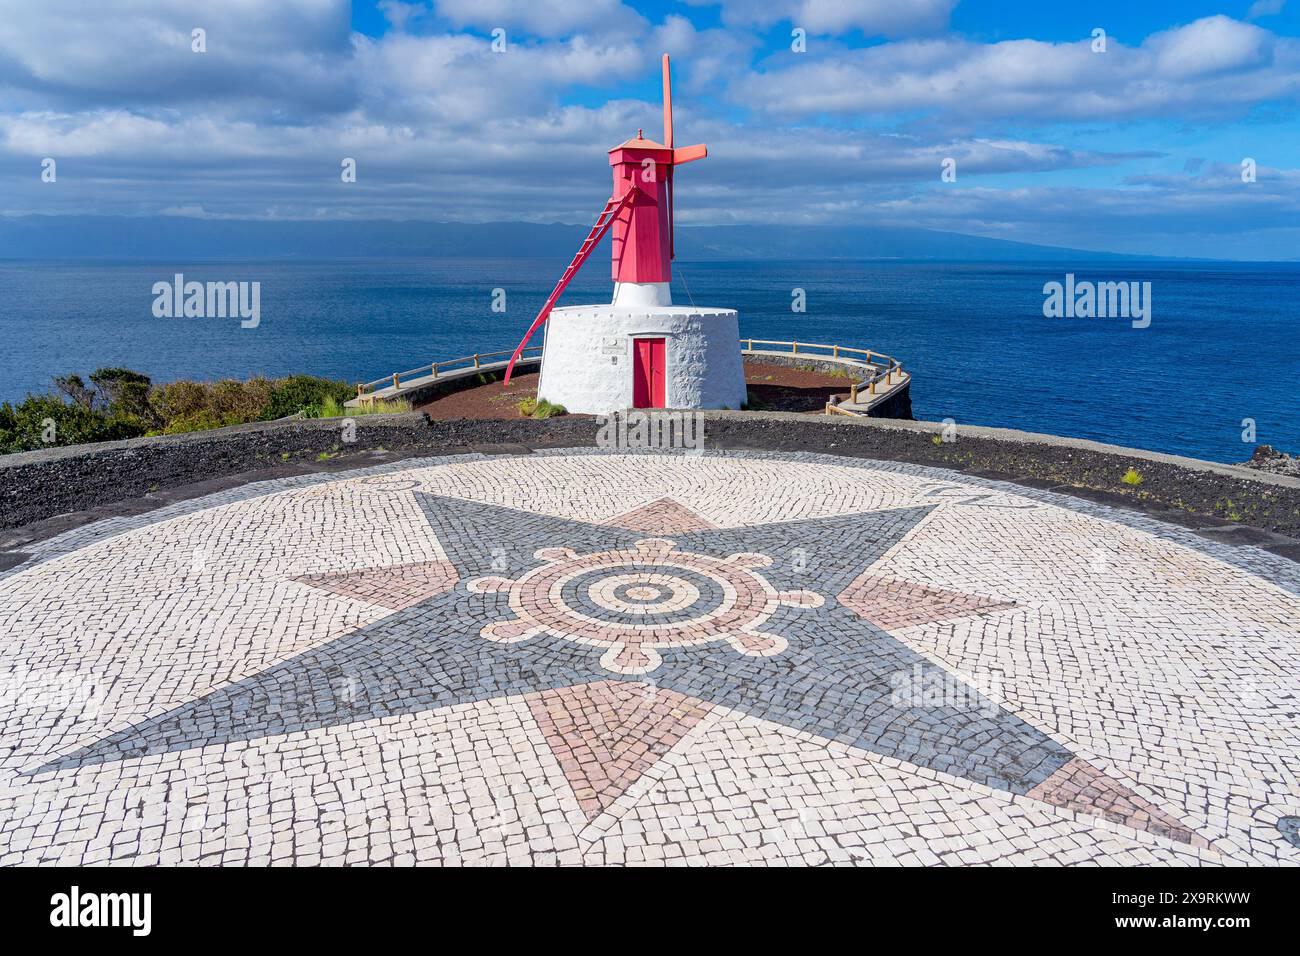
{"x":758,"y":658}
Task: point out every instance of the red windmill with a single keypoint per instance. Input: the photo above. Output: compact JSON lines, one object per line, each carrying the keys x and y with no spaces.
{"x":641,"y":213}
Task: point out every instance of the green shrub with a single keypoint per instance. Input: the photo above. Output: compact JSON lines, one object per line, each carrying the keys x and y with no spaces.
{"x":199,"y":421}
{"x":77,"y":390}
{"x":178,"y":399}
{"x":123,"y":391}
{"x":527,"y":406}
{"x":1131,"y":477}
{"x":303,"y":393}
{"x":195,"y":406}
{"x":238,"y":402}
{"x":40,"y":417}
{"x":121,"y":403}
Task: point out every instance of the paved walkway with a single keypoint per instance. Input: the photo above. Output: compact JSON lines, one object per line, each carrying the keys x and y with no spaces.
{"x":573,"y":657}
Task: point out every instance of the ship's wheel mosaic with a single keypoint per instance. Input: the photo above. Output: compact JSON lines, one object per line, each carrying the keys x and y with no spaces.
{"x":637,"y":601}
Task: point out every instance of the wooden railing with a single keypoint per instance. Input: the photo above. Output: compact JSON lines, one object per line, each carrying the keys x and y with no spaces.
{"x":432,"y":370}
{"x":879,"y":369}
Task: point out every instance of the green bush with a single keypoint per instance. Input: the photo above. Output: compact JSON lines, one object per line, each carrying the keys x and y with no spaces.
{"x":238,"y":402}
{"x":178,"y":399}
{"x":121,"y":403}
{"x":123,"y":391}
{"x":199,"y":421}
{"x":303,"y":393}
{"x":194,"y":406}
{"x":43,"y":421}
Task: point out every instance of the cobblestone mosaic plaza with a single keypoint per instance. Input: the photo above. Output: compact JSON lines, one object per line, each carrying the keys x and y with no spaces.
{"x":584,"y":657}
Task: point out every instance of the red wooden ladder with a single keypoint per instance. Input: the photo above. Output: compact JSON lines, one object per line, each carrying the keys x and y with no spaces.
{"x":598,"y":230}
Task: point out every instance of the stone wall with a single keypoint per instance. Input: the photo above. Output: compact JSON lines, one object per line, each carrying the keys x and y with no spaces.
{"x":38,"y":485}
{"x":459,"y":379}
{"x":898,"y":405}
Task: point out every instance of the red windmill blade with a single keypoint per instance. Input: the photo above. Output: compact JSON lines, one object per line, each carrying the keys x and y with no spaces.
{"x":643,"y":215}
{"x":687,"y":154}
{"x":668,"y":141}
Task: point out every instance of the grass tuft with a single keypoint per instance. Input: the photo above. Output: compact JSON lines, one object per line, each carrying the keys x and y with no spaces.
{"x":330,"y":407}
{"x":539,"y":408}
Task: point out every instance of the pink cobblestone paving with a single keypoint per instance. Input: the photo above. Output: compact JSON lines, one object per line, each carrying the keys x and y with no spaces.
{"x":606,"y":734}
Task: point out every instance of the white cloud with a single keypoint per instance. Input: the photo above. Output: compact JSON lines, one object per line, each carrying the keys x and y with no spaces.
{"x":399,"y":13}
{"x":443,"y":128}
{"x":1208,"y":46}
{"x":544,"y":18}
{"x":703,"y":60}
{"x":874,"y":17}
{"x":1181,"y":71}
{"x":1264,"y":8}
{"x":291,"y":54}
{"x":1210,"y":214}
{"x":458,"y":80}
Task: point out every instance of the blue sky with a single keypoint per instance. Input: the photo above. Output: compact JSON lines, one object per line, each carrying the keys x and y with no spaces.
{"x":1134,"y":148}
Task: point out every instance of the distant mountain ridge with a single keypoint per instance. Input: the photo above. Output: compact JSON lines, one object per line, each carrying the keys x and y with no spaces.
{"x":175,"y":238}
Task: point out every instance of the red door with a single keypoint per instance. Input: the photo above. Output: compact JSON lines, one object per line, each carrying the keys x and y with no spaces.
{"x":648,"y":374}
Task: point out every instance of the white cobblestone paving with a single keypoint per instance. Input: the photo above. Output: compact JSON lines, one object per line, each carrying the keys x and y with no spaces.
{"x":587,"y":657}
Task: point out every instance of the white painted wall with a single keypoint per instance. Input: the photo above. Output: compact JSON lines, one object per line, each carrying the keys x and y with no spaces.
{"x":587,"y":363}
{"x":648,"y":294}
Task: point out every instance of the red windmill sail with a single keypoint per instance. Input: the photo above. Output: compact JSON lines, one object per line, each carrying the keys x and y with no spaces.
{"x":640,"y":212}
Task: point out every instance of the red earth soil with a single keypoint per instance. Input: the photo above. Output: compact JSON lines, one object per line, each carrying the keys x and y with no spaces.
{"x":771,"y":387}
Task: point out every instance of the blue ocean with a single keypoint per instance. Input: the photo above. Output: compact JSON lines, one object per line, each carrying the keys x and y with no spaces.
{"x":1223,"y":345}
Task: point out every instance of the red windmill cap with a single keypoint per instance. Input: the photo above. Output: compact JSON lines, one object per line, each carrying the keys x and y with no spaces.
{"x":639,"y":142}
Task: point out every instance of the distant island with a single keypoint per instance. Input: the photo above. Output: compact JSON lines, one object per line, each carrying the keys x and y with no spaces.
{"x":175,"y":237}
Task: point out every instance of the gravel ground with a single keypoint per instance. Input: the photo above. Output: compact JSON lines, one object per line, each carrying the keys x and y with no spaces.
{"x":68,"y":486}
